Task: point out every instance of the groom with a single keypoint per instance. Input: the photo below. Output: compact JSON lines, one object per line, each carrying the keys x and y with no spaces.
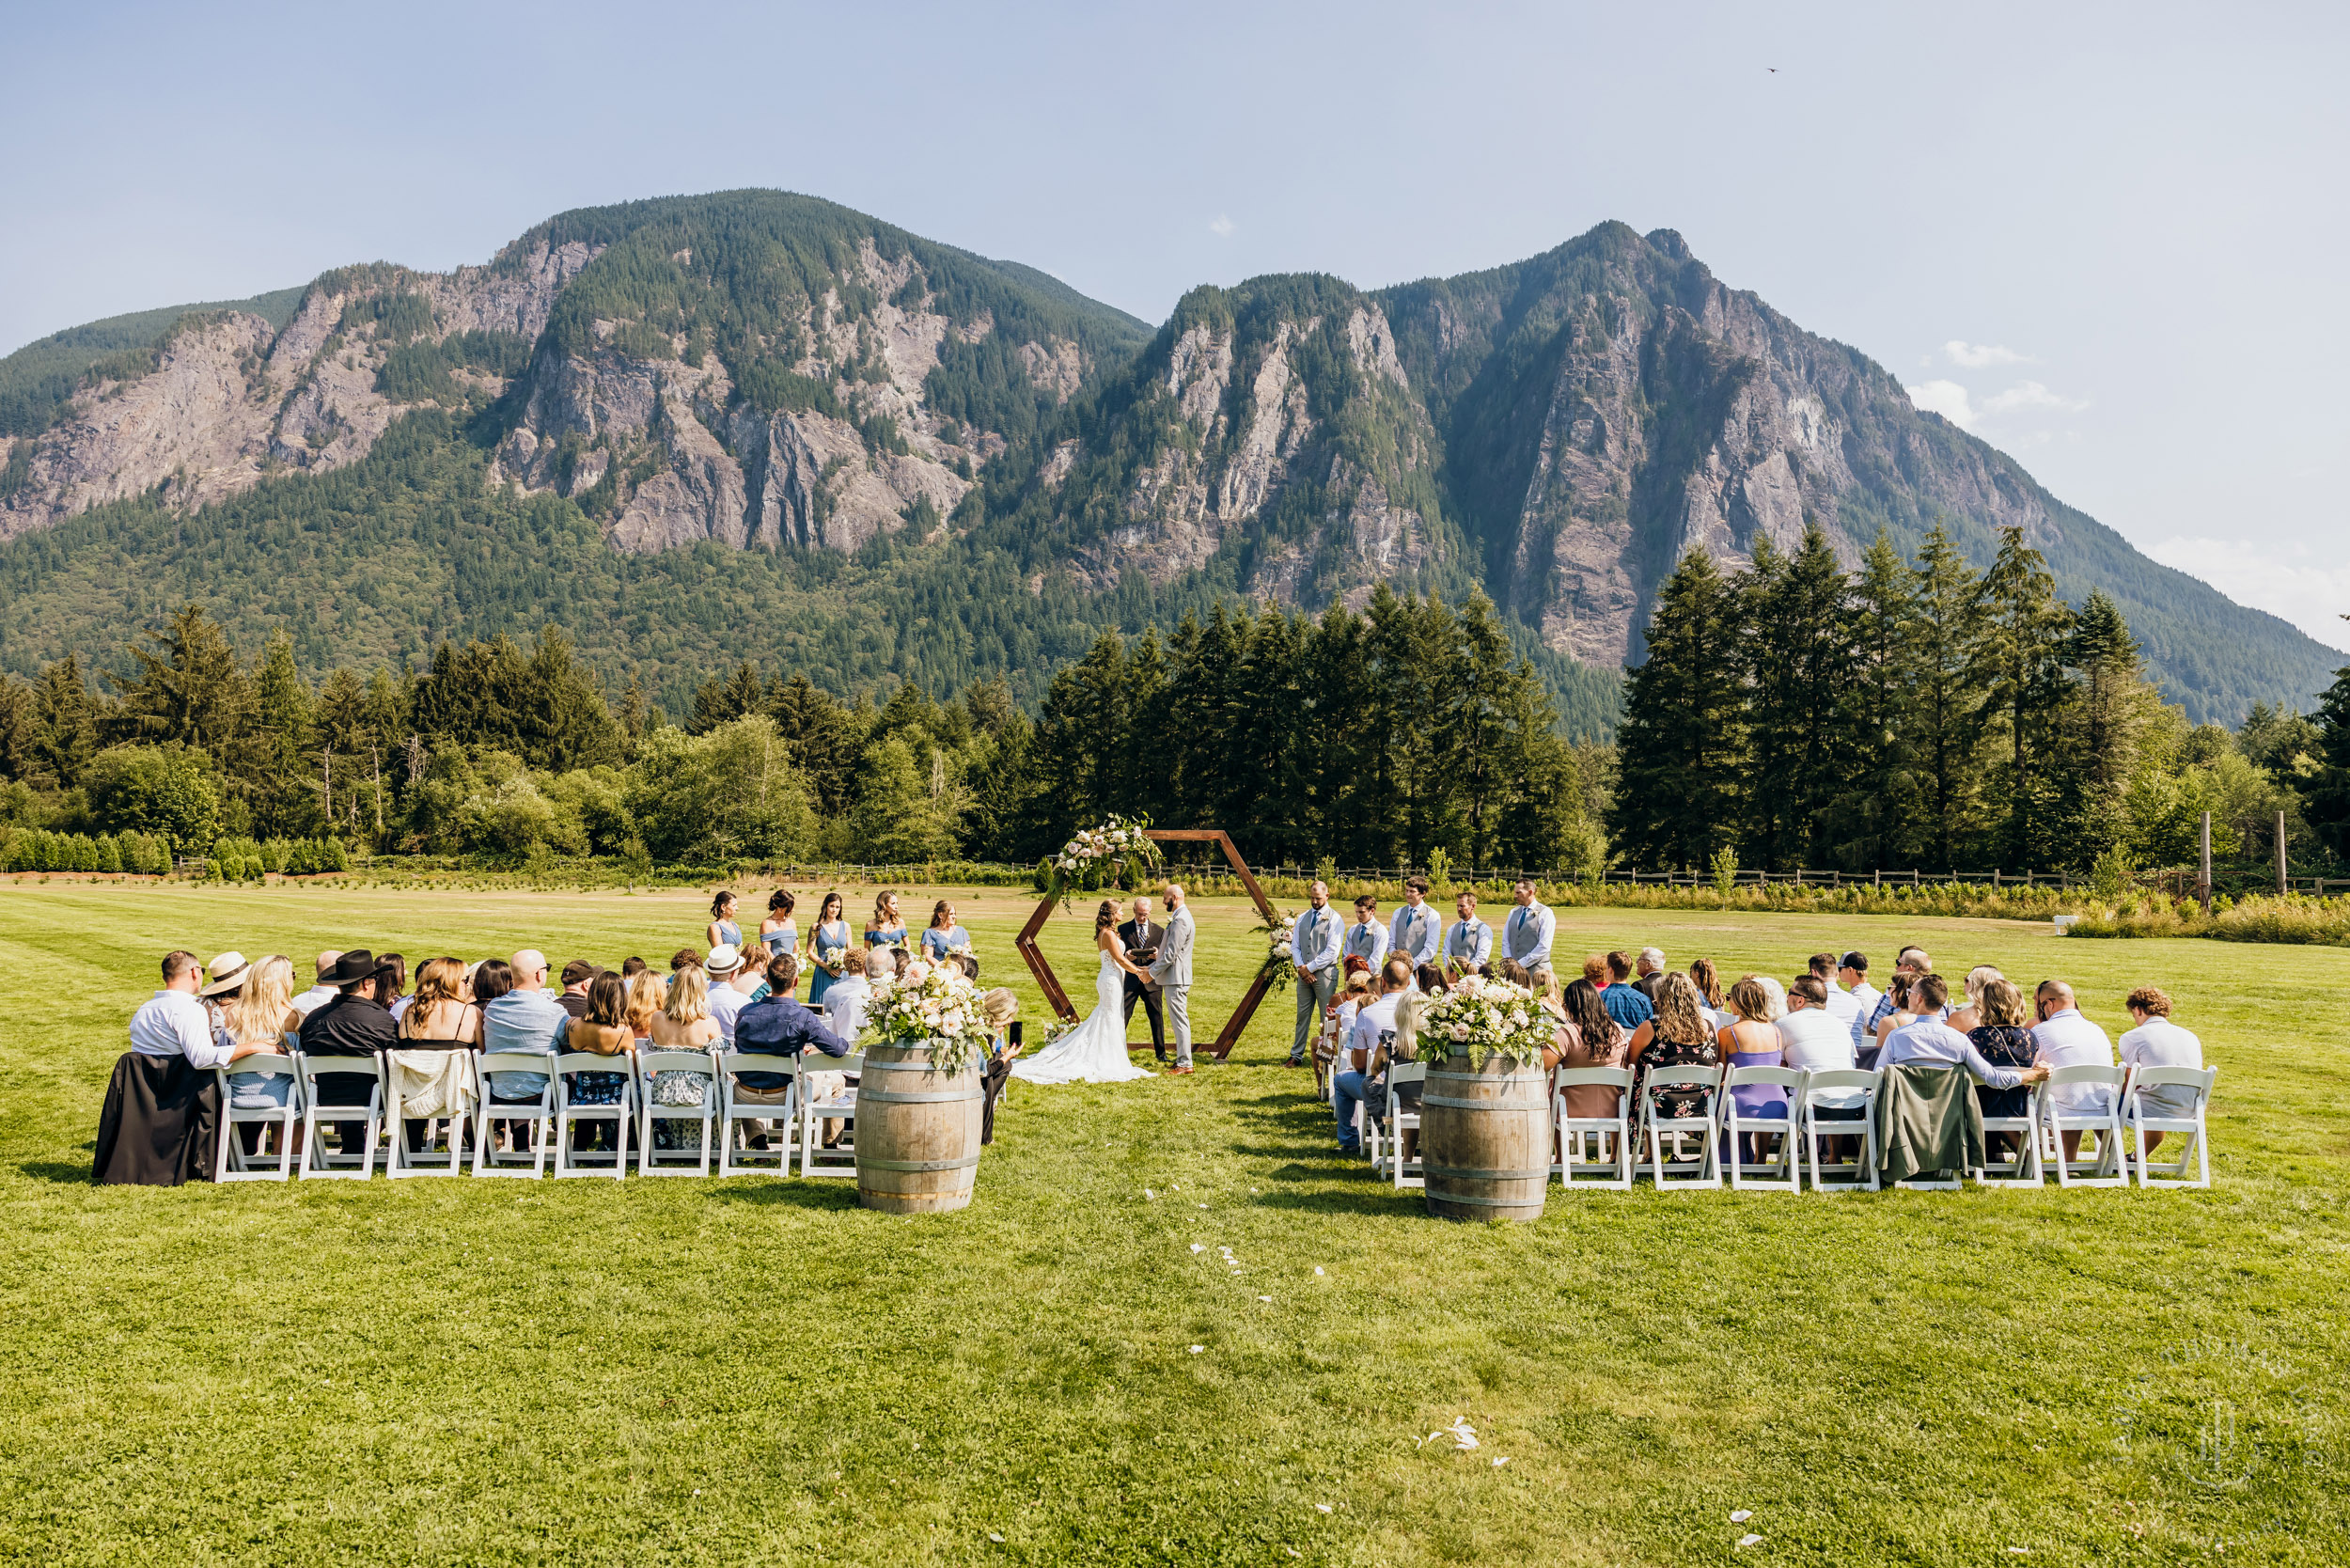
{"x":1171,"y":972}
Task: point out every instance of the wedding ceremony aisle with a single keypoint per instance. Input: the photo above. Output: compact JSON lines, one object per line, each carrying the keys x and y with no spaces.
{"x":1173,"y":1325}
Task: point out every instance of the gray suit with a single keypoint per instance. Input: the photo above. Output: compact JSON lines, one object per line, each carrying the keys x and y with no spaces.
{"x":1171,"y":970}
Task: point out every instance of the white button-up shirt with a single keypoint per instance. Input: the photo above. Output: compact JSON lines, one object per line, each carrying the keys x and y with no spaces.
{"x":1931,"y":1040}
{"x":1317,"y":943}
{"x":2068,"y":1040}
{"x":1525,"y":935}
{"x":314,"y":998}
{"x":1413,"y":932}
{"x":173,"y":1023}
{"x":2159,"y":1042}
{"x":1367,"y":941}
{"x":1864,"y":1001}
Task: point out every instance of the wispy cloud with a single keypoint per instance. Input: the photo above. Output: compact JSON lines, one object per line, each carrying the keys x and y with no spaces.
{"x":2030,"y":396}
{"x":2290,"y":580}
{"x":1221,"y":226}
{"x":1946,"y":397}
{"x":1981,"y":356}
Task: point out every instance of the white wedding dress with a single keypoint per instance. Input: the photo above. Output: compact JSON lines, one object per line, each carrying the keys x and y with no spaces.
{"x":1095,"y":1051}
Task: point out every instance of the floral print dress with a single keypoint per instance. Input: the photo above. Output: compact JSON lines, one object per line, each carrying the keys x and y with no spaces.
{"x":1678,"y":1104}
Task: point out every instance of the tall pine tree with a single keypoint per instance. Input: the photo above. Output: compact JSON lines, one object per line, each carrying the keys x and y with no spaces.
{"x":1682,"y":741}
{"x":2021,"y":679}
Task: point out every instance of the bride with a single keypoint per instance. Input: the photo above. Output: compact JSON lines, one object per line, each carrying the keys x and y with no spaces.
{"x":1095,"y":1051}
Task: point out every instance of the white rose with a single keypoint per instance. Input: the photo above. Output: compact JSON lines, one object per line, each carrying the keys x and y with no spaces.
{"x":1459,"y":1031}
{"x":917,"y":972}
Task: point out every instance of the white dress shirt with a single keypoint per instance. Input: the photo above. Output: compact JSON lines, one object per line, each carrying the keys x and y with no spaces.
{"x":845,"y":1001}
{"x":1415,"y":934}
{"x":725,"y":1004}
{"x":1525,"y":935}
{"x":1931,"y":1040}
{"x":1816,"y":1040}
{"x":1864,"y":1000}
{"x":1367,"y":941}
{"x":1469,"y":940}
{"x":1316,"y":946}
{"x":2159,"y":1042}
{"x":1374,"y":1020}
{"x":173,"y":1023}
{"x":2068,"y":1040}
{"x":314,"y":998}
{"x":1842,"y":1008}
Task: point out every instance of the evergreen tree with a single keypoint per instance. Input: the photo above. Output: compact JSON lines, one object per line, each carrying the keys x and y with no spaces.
{"x":2328,"y":795}
{"x":1681,"y":742}
{"x":189,"y":689}
{"x":277,"y":777}
{"x":1873,"y":819}
{"x":1943,"y":717}
{"x":718,"y":701}
{"x":66,"y":719}
{"x":2108,"y":704}
{"x":2021,"y":681}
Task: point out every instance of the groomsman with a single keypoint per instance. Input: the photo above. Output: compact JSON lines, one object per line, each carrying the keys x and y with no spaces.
{"x":1417,"y":931}
{"x":1367,"y":939}
{"x":1315,"y":956}
{"x":1525,"y":935}
{"x":1471,"y":940}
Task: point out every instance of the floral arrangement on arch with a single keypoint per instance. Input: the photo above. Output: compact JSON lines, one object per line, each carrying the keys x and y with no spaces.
{"x":1116,"y":854}
{"x":934,"y":1005}
{"x":1280,"y":960}
{"x":1482,"y":1019}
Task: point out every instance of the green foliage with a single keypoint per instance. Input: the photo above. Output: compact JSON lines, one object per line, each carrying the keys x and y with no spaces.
{"x":726,"y":795}
{"x":171,"y":790}
{"x":417,"y":372}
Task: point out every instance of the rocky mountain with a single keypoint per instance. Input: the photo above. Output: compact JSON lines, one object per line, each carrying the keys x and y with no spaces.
{"x":767,"y":373}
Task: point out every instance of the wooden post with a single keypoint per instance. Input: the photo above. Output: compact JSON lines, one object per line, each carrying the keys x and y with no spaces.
{"x":2202,"y":883}
{"x":2281,"y":881}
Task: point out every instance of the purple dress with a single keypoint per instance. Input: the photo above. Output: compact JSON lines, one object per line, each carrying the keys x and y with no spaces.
{"x":1758,"y":1098}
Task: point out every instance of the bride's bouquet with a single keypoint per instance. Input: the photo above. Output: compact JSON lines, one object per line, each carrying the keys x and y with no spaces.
{"x":1482,"y":1019}
{"x":931,"y":1005}
{"x":1118,"y":852}
{"x":1280,"y":960}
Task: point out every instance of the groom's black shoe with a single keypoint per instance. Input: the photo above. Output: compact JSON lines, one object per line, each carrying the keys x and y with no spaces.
{"x":1159,"y":1052}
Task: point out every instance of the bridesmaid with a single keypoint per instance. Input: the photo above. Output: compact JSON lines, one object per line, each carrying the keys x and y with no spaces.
{"x":888,"y":927}
{"x":722,"y":931}
{"x":945,"y":934}
{"x":830,"y":936}
{"x":778,"y":931}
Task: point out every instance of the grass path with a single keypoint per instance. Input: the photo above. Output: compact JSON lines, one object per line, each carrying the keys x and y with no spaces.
{"x":758,"y":1371}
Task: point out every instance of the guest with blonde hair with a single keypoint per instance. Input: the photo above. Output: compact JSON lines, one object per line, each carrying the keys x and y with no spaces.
{"x":683,"y":1024}
{"x":261,"y":1015}
{"x":2000,"y":1031}
{"x":648,"y":993}
{"x":1966,"y":1019}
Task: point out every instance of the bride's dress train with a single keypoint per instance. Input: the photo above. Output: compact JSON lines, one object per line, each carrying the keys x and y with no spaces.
{"x":1095,"y":1051}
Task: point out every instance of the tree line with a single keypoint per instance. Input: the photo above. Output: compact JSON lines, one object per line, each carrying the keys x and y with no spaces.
{"x":1918,"y":713}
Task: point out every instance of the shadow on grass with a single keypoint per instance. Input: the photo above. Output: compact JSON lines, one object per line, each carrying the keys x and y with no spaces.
{"x":831,"y":1193}
{"x":56,"y":1172}
{"x":1371,"y":1198}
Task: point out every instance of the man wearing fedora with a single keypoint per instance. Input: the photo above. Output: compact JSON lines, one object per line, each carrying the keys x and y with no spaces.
{"x":354,"y":1024}
{"x":731,"y":984}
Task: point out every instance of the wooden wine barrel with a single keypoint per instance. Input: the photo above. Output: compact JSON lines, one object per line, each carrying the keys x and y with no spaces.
{"x":1484,"y":1139}
{"x":918,"y":1132}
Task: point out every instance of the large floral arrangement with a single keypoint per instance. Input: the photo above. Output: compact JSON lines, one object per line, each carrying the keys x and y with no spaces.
{"x":1482,"y":1019}
{"x":934,"y":1005}
{"x":1280,"y":960}
{"x":1118,"y":853}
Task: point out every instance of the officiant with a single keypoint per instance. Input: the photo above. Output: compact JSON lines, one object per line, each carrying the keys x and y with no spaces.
{"x":1142,"y":937}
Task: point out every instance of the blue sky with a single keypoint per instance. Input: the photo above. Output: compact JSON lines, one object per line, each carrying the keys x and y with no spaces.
{"x":2106,"y":238}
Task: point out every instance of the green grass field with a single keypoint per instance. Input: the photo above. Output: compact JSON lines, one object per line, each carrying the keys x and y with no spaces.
{"x":758,"y":1371}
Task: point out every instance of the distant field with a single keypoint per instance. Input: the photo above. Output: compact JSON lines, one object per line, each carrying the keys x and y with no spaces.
{"x":758,"y":1371}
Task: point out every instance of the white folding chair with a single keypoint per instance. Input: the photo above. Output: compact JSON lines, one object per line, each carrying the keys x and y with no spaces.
{"x":1783,"y":1174}
{"x":1680,"y":1174}
{"x":2143,"y":1116}
{"x":1956,"y":1180}
{"x":733,"y":1111}
{"x":399,"y":1161}
{"x":622,"y":1113}
{"x":1613,"y":1134}
{"x":2027,"y":1168}
{"x":317,"y":1163}
{"x":1841,"y":1082}
{"x":533,"y":1115}
{"x":2106,"y":1167}
{"x":233,"y":1164}
{"x":1385,"y":1139}
{"x":839,"y":1160}
{"x":650,"y":1159}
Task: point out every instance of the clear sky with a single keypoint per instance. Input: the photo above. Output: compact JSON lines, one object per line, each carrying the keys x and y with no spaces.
{"x":2106,"y":238}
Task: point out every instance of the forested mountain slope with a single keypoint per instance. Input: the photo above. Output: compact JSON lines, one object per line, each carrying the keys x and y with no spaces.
{"x":697,"y":429}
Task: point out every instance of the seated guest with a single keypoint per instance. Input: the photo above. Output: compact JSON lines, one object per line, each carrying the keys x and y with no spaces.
{"x":261,"y":1014}
{"x":431,"y":1071}
{"x":1752,"y":1041}
{"x":647,"y":992}
{"x":1511,"y":972}
{"x":1895,"y":1012}
{"x":881,"y":963}
{"x":1853,"y":973}
{"x":684,"y":957}
{"x":2156,"y":1042}
{"x":1774,"y":995}
{"x":1674,"y":1036}
{"x":1912,"y":962}
{"x":999,"y":1008}
{"x":1840,"y":1005}
{"x":438,"y":1014}
{"x":725,"y":966}
{"x":683,"y":1024}
{"x":391,"y":983}
{"x":1629,"y":1006}
{"x":1708,"y":980}
{"x":1401,"y":1043}
{"x":945,"y":935}
{"x":1376,"y":1018}
{"x":780,"y":1027}
{"x":1927,"y":1038}
{"x":1428,"y":980}
{"x":524,"y":1019}
{"x":1586,"y":1037}
{"x":321,"y":992}
{"x":632,"y":966}
{"x":1966,"y":1017}
{"x":1595,"y":970}
{"x":1346,"y":1004}
{"x":846,"y":998}
{"x":1366,"y":939}
{"x":161,"y":1113}
{"x":354,"y":1024}
{"x":1651,"y":962}
{"x":577,"y":974}
{"x":601,"y":1031}
{"x":1814,"y":1040}
{"x":1999,"y":1034}
{"x":2065,"y":1038}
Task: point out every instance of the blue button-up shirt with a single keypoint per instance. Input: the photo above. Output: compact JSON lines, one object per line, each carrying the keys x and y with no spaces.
{"x":780,"y":1027}
{"x":527,"y":1021}
{"x":1627,"y":1005}
{"x":1415,"y":933}
{"x":1317,"y":943}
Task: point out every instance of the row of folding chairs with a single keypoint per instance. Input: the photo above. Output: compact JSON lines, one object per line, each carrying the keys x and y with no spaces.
{"x":541,"y":1129}
{"x":2111,"y":1117}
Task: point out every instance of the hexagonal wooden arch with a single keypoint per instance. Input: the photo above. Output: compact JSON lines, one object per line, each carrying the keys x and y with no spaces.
{"x":1043,"y":969}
